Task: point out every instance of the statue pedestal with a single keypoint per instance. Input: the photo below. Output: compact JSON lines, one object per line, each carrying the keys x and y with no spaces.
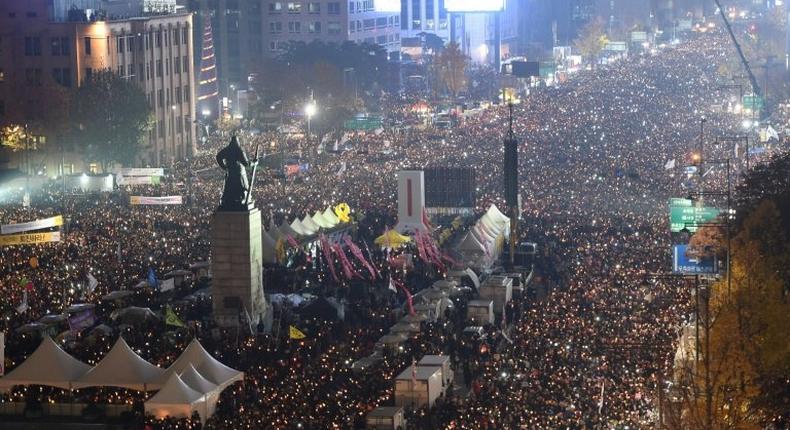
{"x":236,"y":264}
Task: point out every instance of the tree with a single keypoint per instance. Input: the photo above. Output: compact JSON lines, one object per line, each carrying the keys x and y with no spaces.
{"x":113,"y":116}
{"x":746,"y":360}
{"x":592,"y":40}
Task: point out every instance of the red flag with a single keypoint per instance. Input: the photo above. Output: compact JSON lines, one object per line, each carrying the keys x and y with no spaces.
{"x":327,"y":251}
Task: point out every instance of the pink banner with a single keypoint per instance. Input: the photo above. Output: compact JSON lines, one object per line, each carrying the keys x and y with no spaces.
{"x":327,"y":251}
{"x":348,"y":269}
{"x":358,"y":254}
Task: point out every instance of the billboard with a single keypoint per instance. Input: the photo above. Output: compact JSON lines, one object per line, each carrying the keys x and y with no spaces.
{"x":449,"y":187}
{"x":387,"y":5}
{"x":682,"y":264}
{"x":474,"y":5}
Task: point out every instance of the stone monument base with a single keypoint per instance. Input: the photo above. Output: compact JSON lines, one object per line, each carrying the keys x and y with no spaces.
{"x":236,"y":265}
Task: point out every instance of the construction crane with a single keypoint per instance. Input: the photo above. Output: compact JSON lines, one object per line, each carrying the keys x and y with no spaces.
{"x":756,"y":90}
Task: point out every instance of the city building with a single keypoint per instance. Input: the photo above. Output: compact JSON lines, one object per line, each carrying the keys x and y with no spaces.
{"x":246,"y":31}
{"x":42,"y":46}
{"x":424,"y":16}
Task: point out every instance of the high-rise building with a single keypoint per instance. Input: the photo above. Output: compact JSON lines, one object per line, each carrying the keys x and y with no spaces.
{"x":42,"y":46}
{"x":424,"y":16}
{"x":246,"y":31}
{"x":329,"y":21}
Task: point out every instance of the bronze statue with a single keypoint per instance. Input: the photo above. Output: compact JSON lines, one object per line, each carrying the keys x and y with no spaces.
{"x":233,"y":160}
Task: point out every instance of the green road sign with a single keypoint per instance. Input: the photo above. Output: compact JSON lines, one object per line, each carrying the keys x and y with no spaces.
{"x":754,"y":103}
{"x":365,"y":124}
{"x":690,"y":217}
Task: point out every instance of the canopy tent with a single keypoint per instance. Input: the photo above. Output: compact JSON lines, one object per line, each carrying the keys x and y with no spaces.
{"x":491,"y":225}
{"x":274,"y":233}
{"x":470,"y":244}
{"x":269,"y":244}
{"x":497,"y":215}
{"x":133,"y":315}
{"x":176,"y":399}
{"x":47,"y":365}
{"x":299,"y":228}
{"x":330,"y":216}
{"x":286,"y":230}
{"x":199,"y":383}
{"x":392,"y":239}
{"x":323,"y":222}
{"x":117,"y":295}
{"x":196,"y":381}
{"x":208,"y":366}
{"x":122,"y":367}
{"x":308,"y":222}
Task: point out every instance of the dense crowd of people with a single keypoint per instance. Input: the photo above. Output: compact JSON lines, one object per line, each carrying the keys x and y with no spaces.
{"x":592,"y":352}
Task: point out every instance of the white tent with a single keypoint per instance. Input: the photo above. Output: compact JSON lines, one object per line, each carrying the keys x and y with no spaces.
{"x":176,"y":400}
{"x":47,"y":365}
{"x":308,"y":222}
{"x":320,"y":220}
{"x":208,"y":366}
{"x":286,"y":231}
{"x":497,"y":215}
{"x":470,"y":244}
{"x":330,"y":216}
{"x":275,"y":233}
{"x":122,"y":367}
{"x":297,"y":226}
{"x":197,"y":382}
{"x":490,"y":224}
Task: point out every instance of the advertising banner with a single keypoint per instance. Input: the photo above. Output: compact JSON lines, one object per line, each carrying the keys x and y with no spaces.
{"x":141,"y":171}
{"x":29,"y":238}
{"x":137,"y":180}
{"x":166,"y":200}
{"x":38,"y":224}
{"x":684,"y":265}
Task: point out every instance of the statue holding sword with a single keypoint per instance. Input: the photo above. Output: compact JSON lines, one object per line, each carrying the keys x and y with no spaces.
{"x":238,"y":186}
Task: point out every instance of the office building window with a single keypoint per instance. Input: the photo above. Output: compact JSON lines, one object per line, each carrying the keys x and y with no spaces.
{"x":130,"y":70}
{"x":314,"y":27}
{"x":185,"y":35}
{"x":333,"y":28}
{"x":178,"y":95}
{"x":185,"y":64}
{"x":87,"y":46}
{"x":428,"y":9}
{"x":60,"y":46}
{"x":160,"y":98}
{"x":275,"y":7}
{"x":275,"y":27}
{"x":294,"y":7}
{"x":186,"y":93}
{"x":32,"y":46}
{"x":141,"y":73}
{"x":294,"y":27}
{"x":350,"y":7}
{"x":314,"y":7}
{"x":62,"y":76}
{"x":177,"y":66}
{"x":158,"y":40}
{"x":381,"y":22}
{"x":176,"y":37}
{"x":333,"y":8}
{"x":120,"y":43}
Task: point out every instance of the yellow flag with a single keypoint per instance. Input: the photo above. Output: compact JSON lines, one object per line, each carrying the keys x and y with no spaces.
{"x":295,"y":333}
{"x":172,"y":319}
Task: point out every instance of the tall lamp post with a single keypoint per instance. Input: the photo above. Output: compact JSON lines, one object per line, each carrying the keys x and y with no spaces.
{"x":310,"y":110}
